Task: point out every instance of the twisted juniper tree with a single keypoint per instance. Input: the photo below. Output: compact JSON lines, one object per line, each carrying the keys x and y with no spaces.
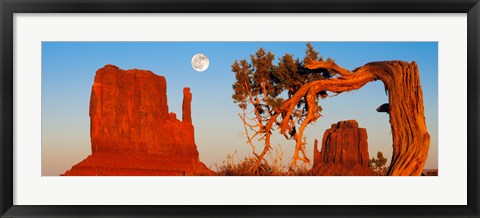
{"x":260,"y":90}
{"x":411,"y":139}
{"x":286,"y":97}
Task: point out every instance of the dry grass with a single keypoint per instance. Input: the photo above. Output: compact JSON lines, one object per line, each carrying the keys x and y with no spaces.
{"x":273,"y":166}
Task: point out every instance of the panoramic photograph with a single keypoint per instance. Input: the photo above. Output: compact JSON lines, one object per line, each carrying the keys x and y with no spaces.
{"x":239,"y":109}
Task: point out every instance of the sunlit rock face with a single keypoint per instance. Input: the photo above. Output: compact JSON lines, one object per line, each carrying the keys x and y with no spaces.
{"x":133,"y":133}
{"x":344,"y":151}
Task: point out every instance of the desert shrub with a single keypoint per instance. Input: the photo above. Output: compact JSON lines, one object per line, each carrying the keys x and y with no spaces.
{"x":272,"y":166}
{"x":377,"y":165}
{"x":244,"y":167}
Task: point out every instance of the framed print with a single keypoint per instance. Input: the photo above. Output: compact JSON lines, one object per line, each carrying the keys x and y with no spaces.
{"x":243,"y":108}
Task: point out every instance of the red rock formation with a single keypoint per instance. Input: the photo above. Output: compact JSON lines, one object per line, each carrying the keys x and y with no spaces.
{"x":186,"y":106}
{"x":344,"y":151}
{"x":131,"y":130}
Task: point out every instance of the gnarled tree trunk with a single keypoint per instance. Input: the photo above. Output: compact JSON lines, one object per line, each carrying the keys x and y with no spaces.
{"x":411,"y":140}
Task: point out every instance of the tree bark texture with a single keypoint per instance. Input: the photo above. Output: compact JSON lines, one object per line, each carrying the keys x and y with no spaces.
{"x":411,"y":139}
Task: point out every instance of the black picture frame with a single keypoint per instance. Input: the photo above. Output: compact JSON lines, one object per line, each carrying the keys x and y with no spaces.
{"x":9,"y":7}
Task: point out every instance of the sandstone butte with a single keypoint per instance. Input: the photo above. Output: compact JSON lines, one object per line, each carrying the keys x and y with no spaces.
{"x":344,"y":151}
{"x":133,"y":133}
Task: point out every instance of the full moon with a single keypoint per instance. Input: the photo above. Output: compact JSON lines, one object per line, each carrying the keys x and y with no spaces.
{"x":200,"y":62}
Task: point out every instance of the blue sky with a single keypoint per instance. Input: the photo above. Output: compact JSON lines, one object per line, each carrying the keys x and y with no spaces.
{"x":68,"y":70}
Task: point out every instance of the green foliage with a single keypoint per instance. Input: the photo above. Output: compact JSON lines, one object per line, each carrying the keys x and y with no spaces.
{"x":262,"y":86}
{"x":377,"y":165}
{"x":311,"y":54}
